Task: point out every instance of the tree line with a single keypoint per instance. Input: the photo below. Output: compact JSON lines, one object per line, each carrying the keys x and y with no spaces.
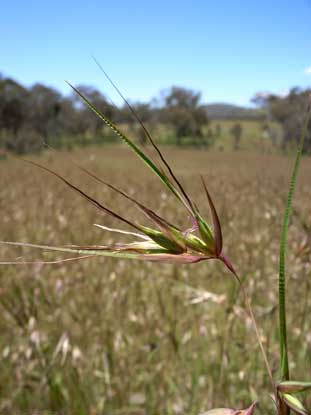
{"x":290,"y":112}
{"x":37,"y":114}
{"x":31,"y":116}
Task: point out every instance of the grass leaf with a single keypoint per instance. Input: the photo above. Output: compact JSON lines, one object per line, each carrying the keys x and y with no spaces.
{"x":148,"y":135}
{"x":137,"y":151}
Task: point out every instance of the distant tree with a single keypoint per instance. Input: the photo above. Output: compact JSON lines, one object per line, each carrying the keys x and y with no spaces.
{"x":142,"y":109}
{"x":145,"y":113}
{"x":183,"y":111}
{"x":88,"y":122}
{"x":210,"y":133}
{"x":269,"y":132}
{"x":44,"y":106}
{"x":13,"y":108}
{"x":29,"y":116}
{"x":218,"y":130}
{"x":236,"y":132}
{"x":265,"y":128}
{"x":69,"y":118}
{"x":290,"y":112}
{"x":17,"y":133}
{"x":261,"y":99}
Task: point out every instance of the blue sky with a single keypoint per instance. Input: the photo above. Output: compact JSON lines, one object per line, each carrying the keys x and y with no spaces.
{"x":227,"y":49}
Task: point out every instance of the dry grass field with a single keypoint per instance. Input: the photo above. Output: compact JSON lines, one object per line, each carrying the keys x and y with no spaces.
{"x":107,"y":336}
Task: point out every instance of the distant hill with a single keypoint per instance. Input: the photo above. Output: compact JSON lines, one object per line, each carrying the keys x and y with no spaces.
{"x":223,"y":111}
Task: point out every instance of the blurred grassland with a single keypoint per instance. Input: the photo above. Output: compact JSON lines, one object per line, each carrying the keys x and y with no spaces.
{"x":252,"y":137}
{"x":105,"y":336}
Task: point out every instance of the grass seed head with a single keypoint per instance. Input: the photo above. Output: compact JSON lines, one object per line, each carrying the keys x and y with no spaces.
{"x":164,"y":242}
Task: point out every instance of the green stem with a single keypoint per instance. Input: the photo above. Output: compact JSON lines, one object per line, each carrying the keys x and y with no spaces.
{"x":249,"y":310}
{"x":282,"y":285}
{"x":263,"y":352}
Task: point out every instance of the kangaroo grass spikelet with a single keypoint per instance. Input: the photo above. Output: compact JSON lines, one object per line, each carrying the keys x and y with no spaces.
{"x":164,"y":242}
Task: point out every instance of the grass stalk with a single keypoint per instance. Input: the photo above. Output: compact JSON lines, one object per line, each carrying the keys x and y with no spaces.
{"x":282,"y":281}
{"x":249,"y":310}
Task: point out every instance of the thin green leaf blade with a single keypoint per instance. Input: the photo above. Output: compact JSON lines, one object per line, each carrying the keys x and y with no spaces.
{"x":136,"y":150}
{"x":148,"y":135}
